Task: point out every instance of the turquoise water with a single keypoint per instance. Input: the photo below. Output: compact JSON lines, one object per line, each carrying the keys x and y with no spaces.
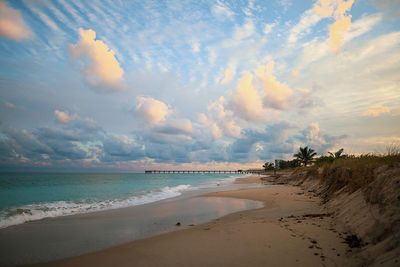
{"x":33,"y":196}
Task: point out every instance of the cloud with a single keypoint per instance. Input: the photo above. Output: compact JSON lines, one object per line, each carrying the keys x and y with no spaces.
{"x":175,"y":127}
{"x":42,"y":144}
{"x":10,"y":105}
{"x":336,"y":32}
{"x":376,"y":111}
{"x":305,"y":100}
{"x":268,"y":28}
{"x":231,"y":128}
{"x":12,"y":25}
{"x":121,"y":148}
{"x":361,"y":26}
{"x":152,"y":110}
{"x":246,"y":100}
{"x":100,"y":66}
{"x":294,"y":74}
{"x":221,"y":10}
{"x":315,"y":138}
{"x":215,"y":130}
{"x":64,"y":117}
{"x":195,"y":46}
{"x":244,"y":31}
{"x":308,"y":20}
{"x":275,"y":94}
{"x":229,"y":74}
{"x":324,"y":8}
{"x":315,"y":49}
{"x":275,"y":141}
{"x":221,"y":118}
{"x":341,"y":24}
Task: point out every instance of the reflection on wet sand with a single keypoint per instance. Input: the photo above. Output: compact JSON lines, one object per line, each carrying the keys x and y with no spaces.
{"x":68,"y":236}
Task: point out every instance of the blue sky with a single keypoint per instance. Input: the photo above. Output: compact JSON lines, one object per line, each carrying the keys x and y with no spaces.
{"x":133,"y":85}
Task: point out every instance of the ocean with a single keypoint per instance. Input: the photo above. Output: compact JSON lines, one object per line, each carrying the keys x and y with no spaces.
{"x":33,"y":196}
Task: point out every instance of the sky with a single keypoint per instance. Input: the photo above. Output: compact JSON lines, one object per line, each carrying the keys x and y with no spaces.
{"x":134,"y":85}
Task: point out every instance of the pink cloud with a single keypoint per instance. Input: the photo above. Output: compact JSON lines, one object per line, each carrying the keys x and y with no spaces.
{"x":64,"y":117}
{"x":10,"y":105}
{"x":12,"y":25}
{"x":102,"y":68}
{"x":152,"y":110}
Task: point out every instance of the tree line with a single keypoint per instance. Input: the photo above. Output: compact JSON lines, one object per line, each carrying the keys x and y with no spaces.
{"x":304,"y":157}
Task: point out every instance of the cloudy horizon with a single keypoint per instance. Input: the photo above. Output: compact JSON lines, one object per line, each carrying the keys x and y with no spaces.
{"x":134,"y":85}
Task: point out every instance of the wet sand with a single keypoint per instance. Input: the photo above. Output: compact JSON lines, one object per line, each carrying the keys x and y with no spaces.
{"x":292,"y":229}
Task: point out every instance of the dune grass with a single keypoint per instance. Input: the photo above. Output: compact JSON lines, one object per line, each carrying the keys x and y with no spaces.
{"x":355,"y":172}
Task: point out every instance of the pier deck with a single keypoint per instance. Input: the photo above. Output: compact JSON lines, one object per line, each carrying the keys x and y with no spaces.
{"x":198,"y":171}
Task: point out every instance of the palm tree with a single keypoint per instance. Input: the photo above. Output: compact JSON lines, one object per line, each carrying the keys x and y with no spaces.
{"x":305,"y":155}
{"x":337,"y":154}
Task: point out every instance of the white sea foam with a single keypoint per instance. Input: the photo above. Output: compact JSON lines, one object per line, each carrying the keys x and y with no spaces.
{"x":33,"y":212}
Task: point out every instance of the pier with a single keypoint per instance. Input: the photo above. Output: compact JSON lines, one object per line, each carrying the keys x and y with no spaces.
{"x":203,"y":171}
{"x":194,"y":171}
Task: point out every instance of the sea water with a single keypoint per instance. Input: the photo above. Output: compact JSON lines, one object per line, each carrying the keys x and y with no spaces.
{"x":34,"y":196}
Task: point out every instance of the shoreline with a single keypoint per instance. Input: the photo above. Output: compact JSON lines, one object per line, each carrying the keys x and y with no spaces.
{"x":292,"y":229}
{"x":62,"y":237}
{"x":29,"y":212}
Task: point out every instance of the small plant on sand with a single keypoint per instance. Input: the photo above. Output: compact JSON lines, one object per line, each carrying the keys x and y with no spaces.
{"x":305,"y":155}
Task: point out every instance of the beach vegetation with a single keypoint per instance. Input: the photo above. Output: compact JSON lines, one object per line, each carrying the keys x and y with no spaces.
{"x":288,"y":164}
{"x":355,"y":171}
{"x":269,"y":166}
{"x":320,"y":161}
{"x":336,"y":154}
{"x":305,"y":155}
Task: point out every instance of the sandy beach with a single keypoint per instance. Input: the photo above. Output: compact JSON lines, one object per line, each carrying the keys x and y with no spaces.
{"x":292,"y":229}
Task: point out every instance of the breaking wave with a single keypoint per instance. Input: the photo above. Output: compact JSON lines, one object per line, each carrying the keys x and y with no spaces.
{"x":32,"y":212}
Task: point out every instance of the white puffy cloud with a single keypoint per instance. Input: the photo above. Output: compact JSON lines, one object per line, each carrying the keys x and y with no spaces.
{"x":215,"y":130}
{"x":64,"y":117}
{"x":317,"y":139}
{"x":246,"y":100}
{"x":100,"y":66}
{"x":231,"y":128}
{"x":313,"y":134}
{"x":12,"y":25}
{"x":152,"y":110}
{"x":221,"y":121}
{"x":275,"y":94}
{"x":376,"y":111}
{"x":225,"y":117}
